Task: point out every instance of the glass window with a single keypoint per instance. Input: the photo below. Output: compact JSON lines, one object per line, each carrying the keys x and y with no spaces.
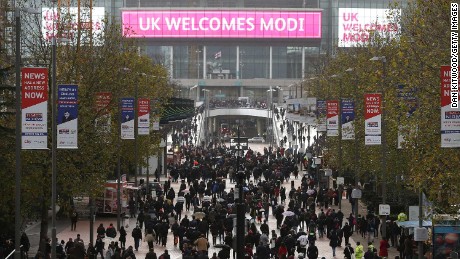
{"x":287,"y":62}
{"x":254,"y":62}
{"x":221,"y":62}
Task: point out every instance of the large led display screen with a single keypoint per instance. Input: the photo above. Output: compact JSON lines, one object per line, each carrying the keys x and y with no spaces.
{"x":91,"y":21}
{"x":222,"y":24}
{"x":356,"y":24}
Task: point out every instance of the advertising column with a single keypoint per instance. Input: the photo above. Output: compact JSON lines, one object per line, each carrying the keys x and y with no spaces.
{"x":67,"y":120}
{"x":321,"y":115}
{"x":127,"y":118}
{"x":34,"y":105}
{"x":450,"y":117}
{"x":348,"y":117}
{"x":373,"y":119}
{"x":143,"y":113}
{"x":332,"y":121}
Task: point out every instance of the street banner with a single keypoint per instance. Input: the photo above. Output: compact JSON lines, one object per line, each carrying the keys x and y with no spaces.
{"x":373,"y":119}
{"x":127,"y":118}
{"x":67,"y":120}
{"x":143,"y":116}
{"x":321,"y":115}
{"x":332,"y":122}
{"x":348,"y":119}
{"x":407,"y":97}
{"x":450,"y":117}
{"x":155,"y":114}
{"x":103,"y":120}
{"x":34,"y":107}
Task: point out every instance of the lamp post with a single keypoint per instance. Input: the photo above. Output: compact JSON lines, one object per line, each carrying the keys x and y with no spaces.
{"x":18,"y":159}
{"x":384,"y":144}
{"x":270,"y":117}
{"x":356,"y":146}
{"x":119,"y":167}
{"x":340,"y":140}
{"x":206,"y":99}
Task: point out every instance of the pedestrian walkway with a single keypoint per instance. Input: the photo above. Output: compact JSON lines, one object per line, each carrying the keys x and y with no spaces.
{"x":64,"y":232}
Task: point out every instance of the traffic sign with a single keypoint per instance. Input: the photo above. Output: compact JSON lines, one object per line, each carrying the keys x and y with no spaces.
{"x":384,"y":209}
{"x":242,"y":144}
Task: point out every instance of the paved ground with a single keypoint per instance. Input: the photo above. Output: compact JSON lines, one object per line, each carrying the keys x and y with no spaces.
{"x":64,"y":232}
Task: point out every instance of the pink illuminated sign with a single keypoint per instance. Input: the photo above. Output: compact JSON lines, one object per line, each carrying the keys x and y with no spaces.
{"x":221,"y":24}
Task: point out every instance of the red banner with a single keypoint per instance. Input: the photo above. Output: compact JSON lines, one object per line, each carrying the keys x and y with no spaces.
{"x":372,"y":105}
{"x":103,"y":100}
{"x":34,"y":86}
{"x":332,"y":108}
{"x":143,"y":105}
{"x":445,"y":86}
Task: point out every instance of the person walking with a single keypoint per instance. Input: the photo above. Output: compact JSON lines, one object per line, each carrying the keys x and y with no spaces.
{"x":137,"y":236}
{"x":100,"y":246}
{"x":149,"y":237}
{"x":73,"y":220}
{"x":348,"y":251}
{"x":122,"y":237}
{"x":101,"y":230}
{"x":312,"y":251}
{"x":111,"y":231}
{"x":359,"y":250}
{"x":333,"y":241}
{"x":151,"y":255}
{"x":347,"y":232}
{"x":383,"y":249}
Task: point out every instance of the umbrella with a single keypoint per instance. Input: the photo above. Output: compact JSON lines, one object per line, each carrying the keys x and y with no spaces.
{"x":223,"y":246}
{"x":288,"y":213}
{"x":261,"y":210}
{"x":245,"y":189}
{"x":207,"y":198}
{"x":199,"y":215}
{"x":310,"y":191}
{"x":180,"y":199}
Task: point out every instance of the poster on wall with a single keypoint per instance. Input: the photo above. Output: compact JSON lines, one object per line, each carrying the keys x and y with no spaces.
{"x":450,"y":117}
{"x":348,"y":118}
{"x":332,"y":122}
{"x":321,"y":115}
{"x":143,"y":116}
{"x":373,"y":119}
{"x":103,"y":121}
{"x":67,"y":120}
{"x":127,"y":118}
{"x":406,"y":96}
{"x":34,"y":107}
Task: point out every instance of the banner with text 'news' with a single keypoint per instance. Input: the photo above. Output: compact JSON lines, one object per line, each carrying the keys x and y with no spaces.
{"x":373,"y":119}
{"x":332,"y":122}
{"x":450,"y":117}
{"x":127,"y":118}
{"x":321,"y":115}
{"x":67,"y":120}
{"x":34,"y":107}
{"x":348,"y":119}
{"x":143,"y":116}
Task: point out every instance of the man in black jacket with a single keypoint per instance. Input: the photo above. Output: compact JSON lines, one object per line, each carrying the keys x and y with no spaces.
{"x":137,"y":236}
{"x":312,"y":252}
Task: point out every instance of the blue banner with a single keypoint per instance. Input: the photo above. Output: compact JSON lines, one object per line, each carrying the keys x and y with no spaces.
{"x":321,"y":112}
{"x":348,"y":118}
{"x":127,"y":118}
{"x":407,"y":97}
{"x":67,"y":120}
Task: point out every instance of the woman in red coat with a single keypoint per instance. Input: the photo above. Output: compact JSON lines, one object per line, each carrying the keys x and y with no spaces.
{"x":282,"y":251}
{"x":383,"y":251}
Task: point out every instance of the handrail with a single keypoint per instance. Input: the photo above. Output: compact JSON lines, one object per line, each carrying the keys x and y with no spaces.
{"x":12,"y":252}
